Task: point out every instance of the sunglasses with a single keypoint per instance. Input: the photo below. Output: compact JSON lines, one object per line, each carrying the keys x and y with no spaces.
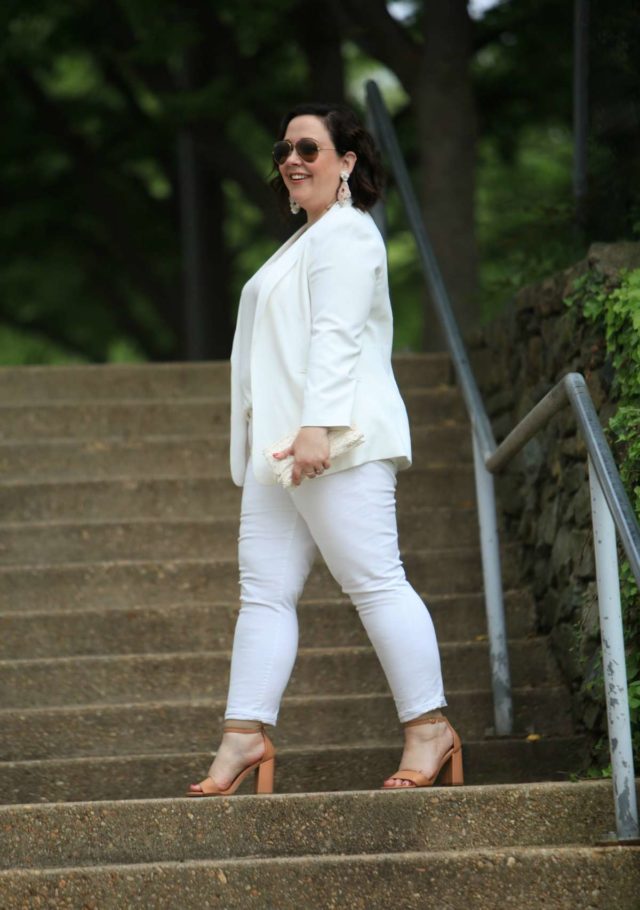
{"x":307,"y":149}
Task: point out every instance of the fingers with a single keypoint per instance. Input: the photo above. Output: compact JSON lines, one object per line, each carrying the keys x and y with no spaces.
{"x":304,"y":469}
{"x":284,"y":454}
{"x":308,"y":460}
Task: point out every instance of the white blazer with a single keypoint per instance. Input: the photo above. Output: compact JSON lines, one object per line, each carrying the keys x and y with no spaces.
{"x":318,"y":339}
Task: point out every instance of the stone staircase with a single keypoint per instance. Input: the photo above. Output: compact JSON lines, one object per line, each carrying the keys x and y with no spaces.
{"x":118,"y":593}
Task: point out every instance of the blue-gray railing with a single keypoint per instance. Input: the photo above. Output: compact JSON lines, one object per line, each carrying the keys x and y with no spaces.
{"x":611,"y":508}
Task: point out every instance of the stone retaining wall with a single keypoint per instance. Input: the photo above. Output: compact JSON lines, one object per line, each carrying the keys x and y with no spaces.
{"x":543,"y":497}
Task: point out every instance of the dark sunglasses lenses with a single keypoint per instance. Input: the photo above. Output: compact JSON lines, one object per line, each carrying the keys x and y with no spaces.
{"x":307,"y":149}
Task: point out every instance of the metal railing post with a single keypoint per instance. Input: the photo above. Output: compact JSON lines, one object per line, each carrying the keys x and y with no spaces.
{"x":613,"y":662}
{"x":483,"y":441}
{"x":378,"y":212}
{"x":492,"y":574}
{"x":610,"y":505}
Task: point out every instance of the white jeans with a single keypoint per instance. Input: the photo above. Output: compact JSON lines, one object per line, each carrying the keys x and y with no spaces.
{"x":350,"y":516}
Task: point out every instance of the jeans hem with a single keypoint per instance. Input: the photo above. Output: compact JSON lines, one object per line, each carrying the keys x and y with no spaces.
{"x":411,"y":713}
{"x":270,"y":719}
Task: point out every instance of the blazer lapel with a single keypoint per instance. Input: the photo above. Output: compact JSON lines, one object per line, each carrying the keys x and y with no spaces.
{"x":280,"y":263}
{"x":286,"y":257}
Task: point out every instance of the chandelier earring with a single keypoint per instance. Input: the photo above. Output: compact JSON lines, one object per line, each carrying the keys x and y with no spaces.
{"x":294,"y":206}
{"x":344,"y":193}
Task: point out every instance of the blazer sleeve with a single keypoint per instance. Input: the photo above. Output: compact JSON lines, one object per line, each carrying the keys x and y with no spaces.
{"x":344,"y":267}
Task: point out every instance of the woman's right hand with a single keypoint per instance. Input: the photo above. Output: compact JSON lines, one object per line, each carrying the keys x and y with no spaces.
{"x":310,"y":450}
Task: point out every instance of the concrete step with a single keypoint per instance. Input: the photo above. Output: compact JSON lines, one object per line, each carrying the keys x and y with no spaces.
{"x":191,"y":724}
{"x":80,"y":419}
{"x":450,"y":486}
{"x":187,"y":627}
{"x":329,"y":671}
{"x":36,"y":543}
{"x":158,"y":583}
{"x":170,"y":456}
{"x":370,"y":821}
{"x":300,"y":770}
{"x":91,"y":382}
{"x":172,"y":380}
{"x":558,"y":878}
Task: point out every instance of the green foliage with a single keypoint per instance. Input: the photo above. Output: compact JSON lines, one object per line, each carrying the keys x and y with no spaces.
{"x":524,"y":214}
{"x":95,"y":95}
{"x":615,"y":309}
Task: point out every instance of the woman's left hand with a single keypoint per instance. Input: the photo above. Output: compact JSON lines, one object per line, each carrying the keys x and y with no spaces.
{"x":310,"y":450}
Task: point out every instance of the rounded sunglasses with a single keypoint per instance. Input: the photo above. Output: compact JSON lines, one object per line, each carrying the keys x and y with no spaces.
{"x":307,"y":149}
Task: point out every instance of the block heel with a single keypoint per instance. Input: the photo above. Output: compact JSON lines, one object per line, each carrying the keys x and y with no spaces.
{"x":265,"y":773}
{"x":452,"y":774}
{"x":450,"y":768}
{"x":264,"y":770}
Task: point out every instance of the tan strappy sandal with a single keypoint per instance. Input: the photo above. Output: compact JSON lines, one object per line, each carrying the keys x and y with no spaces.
{"x":450,"y":763}
{"x":264,"y":770}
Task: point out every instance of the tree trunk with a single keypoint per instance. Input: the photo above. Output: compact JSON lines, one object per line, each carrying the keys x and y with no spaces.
{"x":206,"y":326}
{"x":321,"y":42}
{"x":206,"y":331}
{"x":447,"y":136}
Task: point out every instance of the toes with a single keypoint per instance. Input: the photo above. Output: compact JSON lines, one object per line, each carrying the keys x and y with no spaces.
{"x":208,"y":785}
{"x":396,"y":782}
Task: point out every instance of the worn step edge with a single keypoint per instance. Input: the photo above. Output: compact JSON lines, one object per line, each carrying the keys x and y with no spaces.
{"x":449,"y":570}
{"x":423,"y":472}
{"x":564,"y":878}
{"x":433,"y":368}
{"x":143,"y":522}
{"x":330,"y":668}
{"x":301,"y":769}
{"x":217,"y":435}
{"x":309,"y":602}
{"x":213,"y":702}
{"x":213,"y":434}
{"x":146,"y":456}
{"x":178,"y":627}
{"x":408,"y":553}
{"x":142,"y":421}
{"x":122,"y":729}
{"x":47,"y":541}
{"x":364,"y":821}
{"x":81,"y":418}
{"x":211,"y":397}
{"x":92,"y":661}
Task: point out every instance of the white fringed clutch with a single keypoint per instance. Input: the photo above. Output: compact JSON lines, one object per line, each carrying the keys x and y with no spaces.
{"x":341,"y":439}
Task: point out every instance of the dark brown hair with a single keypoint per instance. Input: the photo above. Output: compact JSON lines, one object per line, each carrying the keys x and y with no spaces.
{"x":348,"y":135}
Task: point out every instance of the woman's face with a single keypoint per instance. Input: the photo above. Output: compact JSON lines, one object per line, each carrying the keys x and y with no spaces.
{"x":313,"y":185}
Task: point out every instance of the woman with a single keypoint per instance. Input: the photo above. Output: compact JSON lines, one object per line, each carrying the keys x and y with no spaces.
{"x":312,"y":351}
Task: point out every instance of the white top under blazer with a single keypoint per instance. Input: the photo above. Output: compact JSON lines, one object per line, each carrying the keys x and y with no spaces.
{"x":313,"y":345}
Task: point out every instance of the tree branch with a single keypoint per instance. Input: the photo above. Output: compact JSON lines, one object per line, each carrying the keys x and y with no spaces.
{"x":371,"y":27}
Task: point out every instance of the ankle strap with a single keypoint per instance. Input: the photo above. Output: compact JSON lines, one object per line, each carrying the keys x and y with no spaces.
{"x":230,"y":729}
{"x":418,"y":721}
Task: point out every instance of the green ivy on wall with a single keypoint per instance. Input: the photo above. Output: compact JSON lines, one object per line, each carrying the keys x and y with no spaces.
{"x":615,"y":309}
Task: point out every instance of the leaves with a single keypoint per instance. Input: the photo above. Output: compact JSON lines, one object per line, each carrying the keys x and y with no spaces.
{"x":616,"y":310}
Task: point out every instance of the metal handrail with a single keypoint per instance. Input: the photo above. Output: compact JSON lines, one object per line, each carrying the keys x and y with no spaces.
{"x":611,"y":510}
{"x":610,"y":504}
{"x":387,"y":136}
{"x":572,"y":389}
{"x":481,"y":432}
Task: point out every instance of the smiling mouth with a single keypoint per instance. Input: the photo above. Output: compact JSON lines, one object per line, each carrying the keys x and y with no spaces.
{"x":297,"y":178}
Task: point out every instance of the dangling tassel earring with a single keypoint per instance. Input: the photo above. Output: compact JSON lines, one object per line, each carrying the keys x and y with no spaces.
{"x":294,"y":206}
{"x":344,"y":193}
